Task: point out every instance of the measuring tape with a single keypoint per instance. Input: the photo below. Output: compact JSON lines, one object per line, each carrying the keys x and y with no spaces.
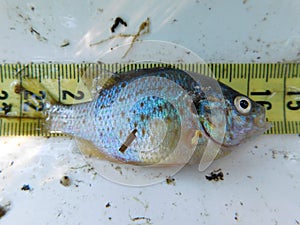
{"x":24,"y":89}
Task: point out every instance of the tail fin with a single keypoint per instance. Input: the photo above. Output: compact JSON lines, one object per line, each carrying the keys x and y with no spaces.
{"x":34,"y":98}
{"x":38,"y":87}
{"x":35,"y":88}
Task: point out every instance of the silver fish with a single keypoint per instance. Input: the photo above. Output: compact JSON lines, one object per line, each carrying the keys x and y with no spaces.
{"x":160,"y":116}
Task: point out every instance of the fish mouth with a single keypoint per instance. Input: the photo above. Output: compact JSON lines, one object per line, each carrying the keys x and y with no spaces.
{"x":260,"y":126}
{"x":260,"y":123}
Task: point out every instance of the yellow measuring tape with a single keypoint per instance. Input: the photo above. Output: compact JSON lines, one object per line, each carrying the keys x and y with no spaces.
{"x":24,"y":89}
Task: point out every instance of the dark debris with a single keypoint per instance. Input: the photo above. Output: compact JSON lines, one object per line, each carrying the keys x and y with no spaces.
{"x":236,"y":216}
{"x":37,"y":34}
{"x":65,"y":43}
{"x":107,"y":205}
{"x":215,"y":175}
{"x":65,"y":181}
{"x":26,"y":187}
{"x":118,"y":21}
{"x":170,"y":180}
{"x":3,"y":211}
{"x":147,"y":220}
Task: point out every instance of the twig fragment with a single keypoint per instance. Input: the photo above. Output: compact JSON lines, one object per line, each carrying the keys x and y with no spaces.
{"x":143,"y":29}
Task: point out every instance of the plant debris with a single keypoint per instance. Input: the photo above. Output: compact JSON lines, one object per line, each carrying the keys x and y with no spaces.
{"x":147,"y":220}
{"x":215,"y":175}
{"x":143,"y":29}
{"x":118,"y":21}
{"x":37,"y":34}
{"x":65,"y":43}
{"x":236,"y":216}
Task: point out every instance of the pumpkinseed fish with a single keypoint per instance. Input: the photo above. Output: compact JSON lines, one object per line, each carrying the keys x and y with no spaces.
{"x":160,"y":115}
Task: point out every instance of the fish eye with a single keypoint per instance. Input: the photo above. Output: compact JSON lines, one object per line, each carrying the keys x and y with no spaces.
{"x":242,"y":104}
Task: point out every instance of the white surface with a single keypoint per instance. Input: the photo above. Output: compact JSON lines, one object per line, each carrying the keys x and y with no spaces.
{"x":228,"y":31}
{"x":262,"y":185}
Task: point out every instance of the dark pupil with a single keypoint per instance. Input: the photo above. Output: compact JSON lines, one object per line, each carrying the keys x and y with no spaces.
{"x":244,"y":104}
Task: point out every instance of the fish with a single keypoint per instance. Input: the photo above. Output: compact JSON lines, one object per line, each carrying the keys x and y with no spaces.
{"x":159,"y":116}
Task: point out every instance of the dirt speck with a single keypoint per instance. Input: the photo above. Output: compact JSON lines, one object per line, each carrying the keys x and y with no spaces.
{"x":274,"y":153}
{"x":215,"y":175}
{"x":284,"y":154}
{"x":107,"y":205}
{"x":236,"y":216}
{"x":119,"y":169}
{"x":170,"y":180}
{"x":26,"y":187}
{"x":65,"y":181}
{"x":100,"y":10}
{"x":25,"y":18}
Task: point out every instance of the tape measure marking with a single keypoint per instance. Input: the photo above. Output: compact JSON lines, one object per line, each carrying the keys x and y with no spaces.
{"x":276,"y":86}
